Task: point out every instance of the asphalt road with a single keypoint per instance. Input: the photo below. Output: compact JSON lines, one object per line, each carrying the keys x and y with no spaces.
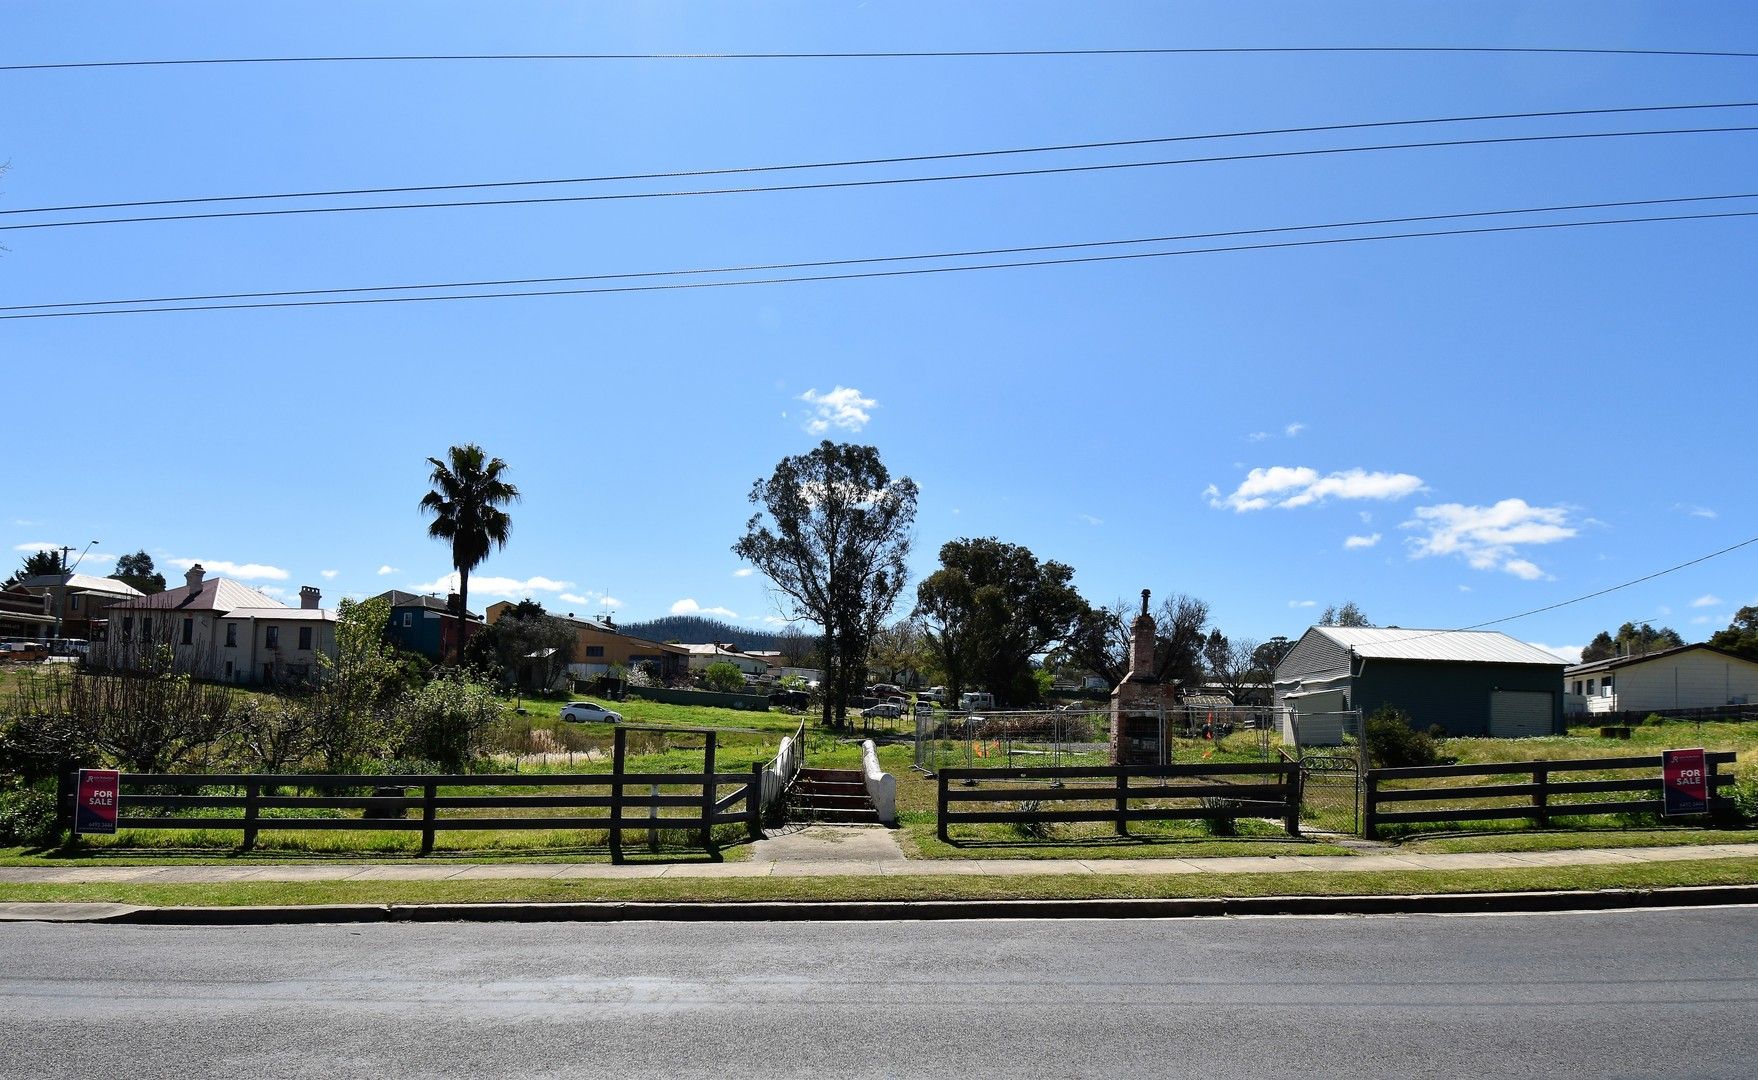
{"x":1670,"y":993}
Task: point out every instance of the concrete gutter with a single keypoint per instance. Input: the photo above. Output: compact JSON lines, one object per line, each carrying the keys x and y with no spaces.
{"x":900,"y":910}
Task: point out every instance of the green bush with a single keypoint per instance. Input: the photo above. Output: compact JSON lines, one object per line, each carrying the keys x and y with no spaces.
{"x":724,"y":676}
{"x":1392,"y":743}
{"x":27,"y":816}
{"x":446,"y":721}
{"x":1744,"y":791}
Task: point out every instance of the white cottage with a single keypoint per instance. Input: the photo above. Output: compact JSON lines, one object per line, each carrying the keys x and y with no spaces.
{"x":1690,"y":677}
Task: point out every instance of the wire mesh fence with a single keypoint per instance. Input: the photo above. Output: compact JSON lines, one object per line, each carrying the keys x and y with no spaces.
{"x":1330,"y":751}
{"x":1082,"y":736}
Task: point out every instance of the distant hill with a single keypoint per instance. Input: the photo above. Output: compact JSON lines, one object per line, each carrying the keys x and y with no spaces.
{"x":696,"y":630}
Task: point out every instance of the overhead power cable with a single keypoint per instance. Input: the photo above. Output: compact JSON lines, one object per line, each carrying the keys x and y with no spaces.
{"x":885,"y":181}
{"x":868,"y":274}
{"x":903,"y":160}
{"x":820,"y":263}
{"x":918,"y":54}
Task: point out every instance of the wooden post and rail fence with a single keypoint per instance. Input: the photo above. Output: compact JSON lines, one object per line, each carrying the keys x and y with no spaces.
{"x":1132,"y":792}
{"x":1541,"y":793}
{"x":616,"y":801}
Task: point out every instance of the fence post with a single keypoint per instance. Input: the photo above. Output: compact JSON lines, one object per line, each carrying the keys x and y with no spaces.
{"x":708,"y":791}
{"x":1541,"y":796}
{"x":429,"y":792}
{"x":1295,"y":783}
{"x":1369,"y":806}
{"x":66,"y":795}
{"x":252,"y":791}
{"x":1718,"y":806}
{"x":940,"y":807}
{"x":754,"y":801}
{"x":1122,"y":803}
{"x":619,"y":746}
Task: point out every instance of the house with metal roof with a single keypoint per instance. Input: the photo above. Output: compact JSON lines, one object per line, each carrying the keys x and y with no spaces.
{"x":1468,"y":682}
{"x":77,"y":601}
{"x":1697,"y":676}
{"x":218,"y":628}
{"x":424,"y":624}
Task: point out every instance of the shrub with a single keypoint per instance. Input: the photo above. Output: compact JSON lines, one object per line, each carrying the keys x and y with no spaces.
{"x":724,"y":676}
{"x":27,"y":816}
{"x":1745,"y":790}
{"x":1032,"y":830}
{"x":1392,"y":743}
{"x":446,"y":720}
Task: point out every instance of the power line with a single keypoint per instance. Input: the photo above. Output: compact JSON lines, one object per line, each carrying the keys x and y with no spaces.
{"x":908,"y":159}
{"x":884,"y":182}
{"x":1485,"y":50}
{"x":676,"y":286}
{"x":755,"y":267}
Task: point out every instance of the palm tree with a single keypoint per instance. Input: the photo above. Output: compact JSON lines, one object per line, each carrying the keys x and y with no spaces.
{"x":466,"y":502}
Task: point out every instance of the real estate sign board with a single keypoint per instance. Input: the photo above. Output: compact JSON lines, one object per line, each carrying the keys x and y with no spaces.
{"x":95,"y":812}
{"x":1685,"y":781}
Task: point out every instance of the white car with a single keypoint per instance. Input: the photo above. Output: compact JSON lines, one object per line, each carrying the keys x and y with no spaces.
{"x":590,"y":712}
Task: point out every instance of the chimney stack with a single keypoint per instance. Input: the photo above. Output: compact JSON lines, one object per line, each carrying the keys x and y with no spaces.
{"x":193,"y":577}
{"x":308,"y":597}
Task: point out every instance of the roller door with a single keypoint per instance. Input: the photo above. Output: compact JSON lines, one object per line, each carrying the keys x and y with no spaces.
{"x":1519,"y":714}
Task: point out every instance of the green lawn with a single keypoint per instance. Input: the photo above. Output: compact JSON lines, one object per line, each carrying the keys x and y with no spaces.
{"x":1063,"y":887}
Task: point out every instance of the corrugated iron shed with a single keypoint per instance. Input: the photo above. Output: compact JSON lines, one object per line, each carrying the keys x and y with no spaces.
{"x":1475,"y":646}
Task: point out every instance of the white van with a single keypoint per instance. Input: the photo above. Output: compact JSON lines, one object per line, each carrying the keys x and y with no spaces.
{"x":975,"y":700}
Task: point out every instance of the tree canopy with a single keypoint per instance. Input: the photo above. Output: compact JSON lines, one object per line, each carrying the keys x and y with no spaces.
{"x":990,"y":608}
{"x":832,"y":533}
{"x":1347,"y":615}
{"x":468,"y":492}
{"x":1630,"y":640}
{"x":1741,"y":636}
{"x":138,"y":571}
{"x":38,"y":562}
{"x":1101,"y":638}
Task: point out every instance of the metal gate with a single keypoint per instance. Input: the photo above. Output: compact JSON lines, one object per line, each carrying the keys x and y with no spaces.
{"x":1331,"y":776}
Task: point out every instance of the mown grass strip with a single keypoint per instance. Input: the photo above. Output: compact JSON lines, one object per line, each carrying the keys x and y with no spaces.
{"x":1058,"y":887}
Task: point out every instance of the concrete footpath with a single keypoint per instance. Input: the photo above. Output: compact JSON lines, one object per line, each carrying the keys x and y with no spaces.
{"x":855,"y":853}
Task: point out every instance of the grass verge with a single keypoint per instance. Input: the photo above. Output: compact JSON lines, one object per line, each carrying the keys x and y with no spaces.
{"x":1053,"y":887}
{"x":1578,"y":838}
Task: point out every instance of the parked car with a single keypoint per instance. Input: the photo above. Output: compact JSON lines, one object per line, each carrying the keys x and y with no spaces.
{"x":885,"y":690}
{"x":975,"y":700}
{"x":589,"y":712}
{"x":884,"y":711}
{"x":937,"y":694}
{"x":790,"y":699}
{"x":924,"y":707}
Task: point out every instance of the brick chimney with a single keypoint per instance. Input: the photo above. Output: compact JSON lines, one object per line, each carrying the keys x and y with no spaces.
{"x":308,"y":597}
{"x":192,"y":577}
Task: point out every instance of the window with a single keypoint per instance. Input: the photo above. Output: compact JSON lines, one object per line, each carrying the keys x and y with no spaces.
{"x":272,"y":637}
{"x":1590,"y":687}
{"x":146,"y":628}
{"x":1605,"y":686}
{"x":231,"y":636}
{"x":408,"y":618}
{"x":228,"y":671}
{"x":595,"y":650}
{"x":188,"y":630}
{"x":305,"y":638}
{"x":73,"y":602}
{"x":127,"y":627}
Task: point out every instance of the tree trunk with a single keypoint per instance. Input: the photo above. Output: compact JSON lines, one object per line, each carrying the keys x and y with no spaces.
{"x":463,"y":613}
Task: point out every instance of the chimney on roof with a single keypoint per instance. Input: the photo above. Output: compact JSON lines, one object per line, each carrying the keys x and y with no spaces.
{"x":308,"y":597}
{"x":455,"y":604}
{"x":193,"y":576}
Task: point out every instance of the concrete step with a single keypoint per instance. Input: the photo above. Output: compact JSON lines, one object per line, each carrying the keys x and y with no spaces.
{"x":840,"y":776}
{"x":845,"y":817}
{"x":823,"y":787}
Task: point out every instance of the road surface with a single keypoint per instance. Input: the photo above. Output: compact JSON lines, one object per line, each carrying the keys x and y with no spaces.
{"x":1670,"y":993}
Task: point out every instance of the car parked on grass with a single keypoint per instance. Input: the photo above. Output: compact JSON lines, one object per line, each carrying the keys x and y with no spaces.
{"x":883,"y":711}
{"x":590,"y":712}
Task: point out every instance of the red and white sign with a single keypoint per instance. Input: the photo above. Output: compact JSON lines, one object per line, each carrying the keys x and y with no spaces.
{"x":1684,"y":776}
{"x":95,"y":812}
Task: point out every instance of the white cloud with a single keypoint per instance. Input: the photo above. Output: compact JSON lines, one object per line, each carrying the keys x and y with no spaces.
{"x":329,"y":575}
{"x":1354,"y":543}
{"x":387,"y":568}
{"x":1289,"y":487}
{"x":493,"y":586}
{"x":844,"y":407}
{"x":26,"y":524}
{"x":743,"y":571}
{"x":1707,"y":600}
{"x":1091,"y":520}
{"x":687,"y":606}
{"x":774,"y":620}
{"x":241,"y":571}
{"x":1257,"y":436}
{"x":608,"y":602}
{"x":576,"y":598}
{"x":1303,"y":603}
{"x":273,"y":590}
{"x":1488,"y":537}
{"x":1703,"y":620}
{"x":1293,"y":429}
{"x":1696,"y":511}
{"x":1570,"y":653}
{"x":1464,"y":588}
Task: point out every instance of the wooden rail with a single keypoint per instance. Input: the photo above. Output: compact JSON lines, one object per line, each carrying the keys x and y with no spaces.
{"x":1540,"y":790}
{"x":612,"y":801}
{"x":1276,"y":796}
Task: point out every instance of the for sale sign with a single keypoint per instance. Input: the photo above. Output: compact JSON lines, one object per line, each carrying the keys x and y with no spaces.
{"x":96,"y":809}
{"x":1685,"y":779}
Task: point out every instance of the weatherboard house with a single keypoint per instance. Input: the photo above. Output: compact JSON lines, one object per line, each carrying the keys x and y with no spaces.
{"x":1468,"y":682}
{"x":1697,"y":676}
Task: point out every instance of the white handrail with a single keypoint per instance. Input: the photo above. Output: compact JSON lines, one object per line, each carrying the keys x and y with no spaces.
{"x":881,"y":785}
{"x":782,"y":769}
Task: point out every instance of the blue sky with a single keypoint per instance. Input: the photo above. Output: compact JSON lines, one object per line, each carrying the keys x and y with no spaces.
{"x":1445,"y":430}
